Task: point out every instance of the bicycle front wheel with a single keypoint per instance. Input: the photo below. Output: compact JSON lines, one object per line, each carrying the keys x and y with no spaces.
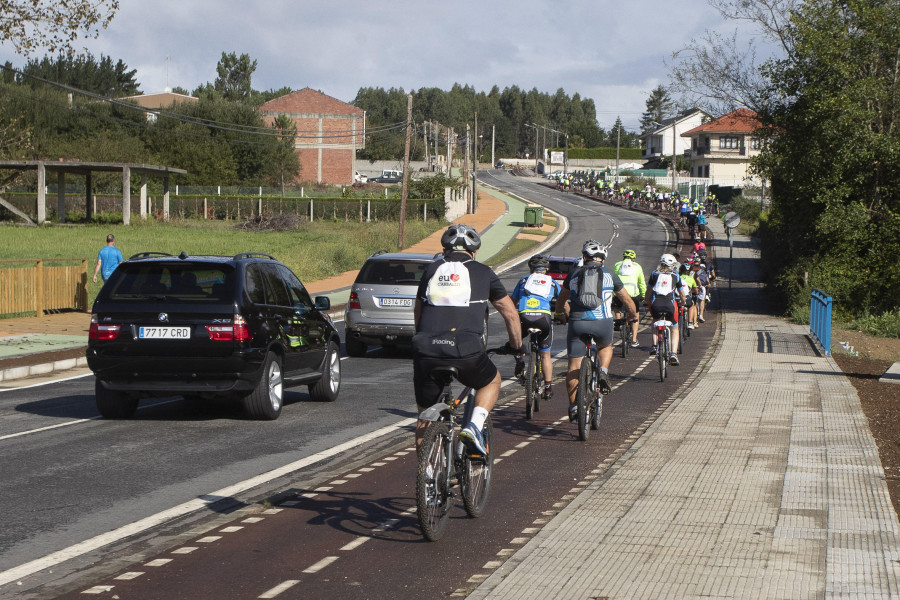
{"x":538,"y":385}
{"x":583,"y":397}
{"x":596,"y":408}
{"x":475,"y":479}
{"x":531,"y":390}
{"x":625,"y":330}
{"x":433,"y":481}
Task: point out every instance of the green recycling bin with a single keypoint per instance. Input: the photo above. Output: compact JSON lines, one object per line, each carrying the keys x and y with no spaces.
{"x":534,"y":216}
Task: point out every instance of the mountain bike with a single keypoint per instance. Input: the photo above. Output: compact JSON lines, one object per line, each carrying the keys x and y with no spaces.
{"x":444,"y":462}
{"x":661,"y":338}
{"x":534,"y":376}
{"x":588,"y":399}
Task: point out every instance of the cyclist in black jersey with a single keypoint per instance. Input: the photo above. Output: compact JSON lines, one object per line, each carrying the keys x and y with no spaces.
{"x":451,"y":313}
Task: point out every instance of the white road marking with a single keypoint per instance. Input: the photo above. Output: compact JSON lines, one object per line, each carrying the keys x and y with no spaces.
{"x":281,"y":587}
{"x":158,"y":562}
{"x":184,"y":550}
{"x":190,"y":506}
{"x":356,"y":543}
{"x":99,"y":589}
{"x":129,"y":575}
{"x":321,"y":564}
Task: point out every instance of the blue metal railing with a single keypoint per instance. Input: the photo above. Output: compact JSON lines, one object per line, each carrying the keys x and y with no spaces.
{"x":820,"y":320}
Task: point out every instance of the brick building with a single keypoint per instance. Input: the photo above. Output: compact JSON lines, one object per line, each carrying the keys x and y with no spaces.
{"x":328,"y":134}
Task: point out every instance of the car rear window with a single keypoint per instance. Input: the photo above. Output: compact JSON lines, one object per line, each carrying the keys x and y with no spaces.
{"x":560,"y":266}
{"x":185,"y":282}
{"x":403,"y":272}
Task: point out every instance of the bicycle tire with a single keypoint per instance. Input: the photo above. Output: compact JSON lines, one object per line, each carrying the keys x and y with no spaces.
{"x":682,"y":327}
{"x":538,"y":384}
{"x":530,"y":389}
{"x":661,"y":356}
{"x":596,"y":404}
{"x":624,"y":330}
{"x":475,"y":478}
{"x":668,"y":343}
{"x":583,"y":398}
{"x":432,"y":513}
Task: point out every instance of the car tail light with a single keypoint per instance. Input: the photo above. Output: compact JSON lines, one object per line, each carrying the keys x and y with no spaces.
{"x":237,"y":332}
{"x":106,"y":331}
{"x":354,"y":301}
{"x":103,"y":332}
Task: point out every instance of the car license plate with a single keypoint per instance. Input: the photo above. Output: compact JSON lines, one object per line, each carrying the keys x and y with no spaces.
{"x":401,"y":302}
{"x":164,"y":333}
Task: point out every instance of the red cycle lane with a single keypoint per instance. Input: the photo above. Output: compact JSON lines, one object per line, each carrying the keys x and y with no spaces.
{"x":356,"y":535}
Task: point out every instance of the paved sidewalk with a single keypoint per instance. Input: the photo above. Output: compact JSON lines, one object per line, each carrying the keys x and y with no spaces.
{"x":762,"y":481}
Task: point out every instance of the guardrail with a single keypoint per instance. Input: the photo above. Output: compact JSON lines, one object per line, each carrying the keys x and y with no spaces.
{"x":820,"y":320}
{"x":31,"y":286}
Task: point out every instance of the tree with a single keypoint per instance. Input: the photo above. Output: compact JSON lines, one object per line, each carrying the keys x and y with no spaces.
{"x":832,"y":128}
{"x":285,"y":164}
{"x":234,"y":75}
{"x":659,"y":107}
{"x":84,"y":72}
{"x":53,"y":25}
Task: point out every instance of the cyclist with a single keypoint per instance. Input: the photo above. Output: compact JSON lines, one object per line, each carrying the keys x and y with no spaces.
{"x":690,"y":293}
{"x":701,"y":224}
{"x":532,"y":296}
{"x":662,"y":286}
{"x":701,"y":276}
{"x":596,"y":322}
{"x":632,"y":276}
{"x":451,"y":304}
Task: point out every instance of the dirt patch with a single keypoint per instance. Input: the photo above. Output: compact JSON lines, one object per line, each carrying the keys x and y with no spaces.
{"x":880,"y":401}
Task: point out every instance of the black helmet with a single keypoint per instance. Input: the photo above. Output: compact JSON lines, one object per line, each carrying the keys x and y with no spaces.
{"x":462,"y":237}
{"x":538,"y":261}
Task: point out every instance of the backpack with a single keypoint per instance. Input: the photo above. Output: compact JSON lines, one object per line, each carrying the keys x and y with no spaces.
{"x":450,"y":285}
{"x":538,"y":284}
{"x":588,"y":292}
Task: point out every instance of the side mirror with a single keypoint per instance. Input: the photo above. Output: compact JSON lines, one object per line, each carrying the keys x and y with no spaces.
{"x":323,"y":303}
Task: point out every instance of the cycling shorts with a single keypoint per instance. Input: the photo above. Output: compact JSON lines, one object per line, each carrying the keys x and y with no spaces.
{"x":474,"y":371}
{"x":701,"y":295}
{"x":540,"y":321}
{"x":600,"y":329}
{"x":665,"y":307}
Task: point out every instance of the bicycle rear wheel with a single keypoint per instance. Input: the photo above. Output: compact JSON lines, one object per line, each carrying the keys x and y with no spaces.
{"x":625,"y":331}
{"x":475,"y":478}
{"x":596,"y":409}
{"x":531,"y":391}
{"x":433,"y":481}
{"x":538,"y":385}
{"x":682,"y":329}
{"x":583,"y":398}
{"x":662,"y":356}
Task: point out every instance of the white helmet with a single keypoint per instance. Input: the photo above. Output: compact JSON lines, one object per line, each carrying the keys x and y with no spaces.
{"x":594,"y":250}
{"x":668,"y":260}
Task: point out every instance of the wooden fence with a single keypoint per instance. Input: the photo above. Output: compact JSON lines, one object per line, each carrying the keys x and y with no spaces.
{"x":36,"y":286}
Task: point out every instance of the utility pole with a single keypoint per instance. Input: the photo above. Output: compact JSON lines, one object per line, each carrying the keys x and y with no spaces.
{"x":466,"y":170}
{"x":475,"y":166}
{"x":618,"y":142}
{"x":493,"y":136}
{"x":450,"y":139}
{"x":405,"y":187}
{"x":674,"y":122}
{"x":425,"y":140}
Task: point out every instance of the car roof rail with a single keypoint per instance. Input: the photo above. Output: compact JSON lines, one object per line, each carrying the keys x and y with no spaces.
{"x":378,"y":253}
{"x":141,"y":255}
{"x":253,"y":255}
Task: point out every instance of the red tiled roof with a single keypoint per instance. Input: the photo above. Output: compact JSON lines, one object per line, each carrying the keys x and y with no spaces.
{"x":310,"y":101}
{"x":742,"y":120}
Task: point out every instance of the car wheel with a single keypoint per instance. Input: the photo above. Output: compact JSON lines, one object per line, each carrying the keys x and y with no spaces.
{"x":113,"y":404}
{"x":355,"y":347}
{"x":265,"y":401}
{"x":327,"y":387}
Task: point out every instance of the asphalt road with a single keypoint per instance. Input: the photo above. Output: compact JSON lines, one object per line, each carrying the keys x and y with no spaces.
{"x":87,"y":477}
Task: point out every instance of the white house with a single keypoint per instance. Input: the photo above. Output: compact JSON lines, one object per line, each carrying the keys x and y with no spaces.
{"x":657,"y":143}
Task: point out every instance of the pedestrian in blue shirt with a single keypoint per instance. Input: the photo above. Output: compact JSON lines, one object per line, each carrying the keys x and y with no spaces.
{"x":108,"y":259}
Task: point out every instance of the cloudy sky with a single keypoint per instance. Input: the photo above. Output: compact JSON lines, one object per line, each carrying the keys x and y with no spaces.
{"x":611,"y":51}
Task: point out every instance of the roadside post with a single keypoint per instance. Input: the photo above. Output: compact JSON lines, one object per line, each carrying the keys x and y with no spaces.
{"x":732,"y":220}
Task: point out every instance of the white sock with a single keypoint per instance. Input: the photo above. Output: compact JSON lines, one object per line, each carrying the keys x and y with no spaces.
{"x":479,"y":415}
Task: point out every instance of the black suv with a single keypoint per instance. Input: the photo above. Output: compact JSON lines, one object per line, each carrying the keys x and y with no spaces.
{"x":238,"y":326}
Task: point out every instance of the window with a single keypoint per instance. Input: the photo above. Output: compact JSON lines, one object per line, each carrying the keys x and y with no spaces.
{"x":276,"y":292}
{"x":299,"y":296}
{"x":755,"y":143}
{"x":253,"y":285}
{"x":729,"y":142}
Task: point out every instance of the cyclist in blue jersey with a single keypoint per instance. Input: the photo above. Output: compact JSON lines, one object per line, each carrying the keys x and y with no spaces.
{"x":533,"y":296}
{"x":586,"y":320}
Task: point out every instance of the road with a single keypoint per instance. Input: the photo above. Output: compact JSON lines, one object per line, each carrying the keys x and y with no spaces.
{"x":339,"y":476}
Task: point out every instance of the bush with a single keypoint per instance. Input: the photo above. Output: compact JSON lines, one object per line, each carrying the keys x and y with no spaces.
{"x":883,"y":325}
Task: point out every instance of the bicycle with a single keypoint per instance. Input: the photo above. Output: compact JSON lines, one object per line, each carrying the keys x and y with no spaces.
{"x":683,"y":331}
{"x":534,"y":376}
{"x":662,"y":340}
{"x":588,"y":399}
{"x":444,"y":461}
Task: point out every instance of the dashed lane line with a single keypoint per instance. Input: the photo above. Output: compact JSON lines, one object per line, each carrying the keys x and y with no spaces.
{"x":278,"y":589}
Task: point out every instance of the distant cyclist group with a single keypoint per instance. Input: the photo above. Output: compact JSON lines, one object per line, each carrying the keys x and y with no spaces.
{"x":451,"y":306}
